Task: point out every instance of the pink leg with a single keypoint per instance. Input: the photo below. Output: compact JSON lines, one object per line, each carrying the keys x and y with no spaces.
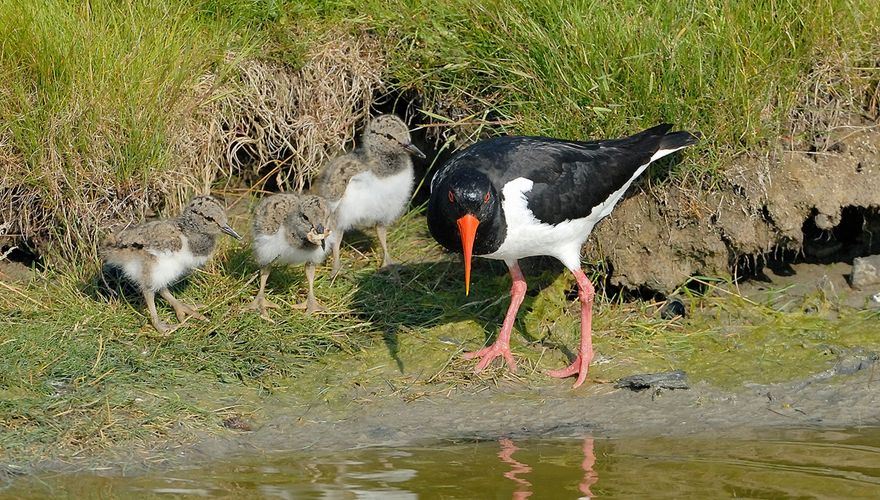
{"x":501,"y":347}
{"x":585,"y":353}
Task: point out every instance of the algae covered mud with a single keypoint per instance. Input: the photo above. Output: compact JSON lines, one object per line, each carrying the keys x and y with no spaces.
{"x":792,"y":463}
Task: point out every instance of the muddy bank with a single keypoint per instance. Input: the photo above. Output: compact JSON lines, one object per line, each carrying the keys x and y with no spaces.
{"x":600,"y":410}
{"x":846,"y":395}
{"x":819,"y":205}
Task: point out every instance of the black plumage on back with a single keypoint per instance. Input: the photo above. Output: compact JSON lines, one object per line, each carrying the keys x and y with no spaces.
{"x":570,"y":177}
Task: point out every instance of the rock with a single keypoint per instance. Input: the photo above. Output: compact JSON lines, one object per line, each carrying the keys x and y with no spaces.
{"x":667,"y":380}
{"x":853,"y":360}
{"x":674,"y":308}
{"x":236,"y":422}
{"x":866,"y":271}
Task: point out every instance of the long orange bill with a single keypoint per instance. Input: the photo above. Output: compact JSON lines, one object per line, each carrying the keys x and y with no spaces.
{"x":467,"y":228}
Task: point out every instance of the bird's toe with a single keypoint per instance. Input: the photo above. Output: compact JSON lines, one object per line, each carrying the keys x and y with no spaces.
{"x":185,"y":311}
{"x":163,"y":328}
{"x":579,"y":367}
{"x":314,"y":306}
{"x":309,"y":306}
{"x":488,"y":354}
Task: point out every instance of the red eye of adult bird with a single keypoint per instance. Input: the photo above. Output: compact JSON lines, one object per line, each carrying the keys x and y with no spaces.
{"x":451,"y":197}
{"x":545,"y":197}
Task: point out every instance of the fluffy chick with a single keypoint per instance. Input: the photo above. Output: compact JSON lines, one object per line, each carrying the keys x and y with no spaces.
{"x":290,"y":229}
{"x":371,"y":185}
{"x":154,"y":255}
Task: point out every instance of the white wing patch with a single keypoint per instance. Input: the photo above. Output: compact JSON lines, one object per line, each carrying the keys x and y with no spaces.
{"x":528,"y":237}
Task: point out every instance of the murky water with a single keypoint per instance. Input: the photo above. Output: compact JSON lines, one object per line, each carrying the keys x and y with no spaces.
{"x":792,"y":463}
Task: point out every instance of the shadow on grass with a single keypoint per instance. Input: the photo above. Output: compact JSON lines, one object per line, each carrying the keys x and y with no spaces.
{"x":109,"y":283}
{"x":430,"y":294}
{"x":283,"y":279}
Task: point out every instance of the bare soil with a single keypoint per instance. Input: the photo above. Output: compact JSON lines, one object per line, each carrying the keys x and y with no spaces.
{"x":601,"y":410}
{"x":785,"y":202}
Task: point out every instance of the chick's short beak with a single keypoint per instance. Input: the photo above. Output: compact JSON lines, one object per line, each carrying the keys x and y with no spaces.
{"x":413,"y":150}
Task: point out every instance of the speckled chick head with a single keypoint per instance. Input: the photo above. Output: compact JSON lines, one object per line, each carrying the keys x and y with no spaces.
{"x":388,"y":135}
{"x":206,"y":215}
{"x":311,"y":222}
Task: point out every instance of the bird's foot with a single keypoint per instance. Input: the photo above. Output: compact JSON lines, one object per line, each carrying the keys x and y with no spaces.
{"x":310,"y":306}
{"x":260,"y":304}
{"x":388,"y":262}
{"x":580,"y":366}
{"x":182,"y":311}
{"x":391,"y":270}
{"x":490,"y":353}
{"x":163,"y":328}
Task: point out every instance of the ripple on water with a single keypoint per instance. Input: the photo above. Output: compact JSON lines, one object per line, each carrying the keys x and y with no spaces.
{"x":790,"y":463}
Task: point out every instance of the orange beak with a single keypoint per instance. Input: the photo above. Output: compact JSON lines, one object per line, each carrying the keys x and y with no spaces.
{"x":467,"y":228}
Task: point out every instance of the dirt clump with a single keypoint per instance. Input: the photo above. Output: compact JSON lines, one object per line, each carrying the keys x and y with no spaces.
{"x":768,"y":204}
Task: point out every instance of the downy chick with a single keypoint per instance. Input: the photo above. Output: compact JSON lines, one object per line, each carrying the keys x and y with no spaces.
{"x":371,"y":185}
{"x":154,"y":255}
{"x":290,"y":229}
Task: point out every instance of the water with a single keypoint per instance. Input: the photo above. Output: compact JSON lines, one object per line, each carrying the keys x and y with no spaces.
{"x":779,"y":464}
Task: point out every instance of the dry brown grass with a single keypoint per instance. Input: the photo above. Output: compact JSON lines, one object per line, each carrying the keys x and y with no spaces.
{"x":839,"y":93}
{"x":268,"y":121}
{"x":282,"y":123}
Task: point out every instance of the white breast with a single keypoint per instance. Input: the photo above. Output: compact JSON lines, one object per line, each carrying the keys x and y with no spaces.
{"x":269,"y":248}
{"x":527,"y":236}
{"x":171,"y":266}
{"x":371,"y":200}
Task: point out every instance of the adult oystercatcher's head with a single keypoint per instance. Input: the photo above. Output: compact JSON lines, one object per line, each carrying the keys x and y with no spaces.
{"x":464,"y":215}
{"x":388,"y":135}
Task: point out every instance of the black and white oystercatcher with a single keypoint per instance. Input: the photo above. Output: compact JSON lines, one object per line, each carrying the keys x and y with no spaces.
{"x":512,"y":197}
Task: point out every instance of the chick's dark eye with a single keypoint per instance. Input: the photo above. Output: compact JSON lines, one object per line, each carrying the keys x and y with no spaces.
{"x":486,"y":198}
{"x":451,"y":197}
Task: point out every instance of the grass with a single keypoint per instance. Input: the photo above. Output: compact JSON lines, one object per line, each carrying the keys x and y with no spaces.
{"x":115,"y":107}
{"x":581,"y":69}
{"x":95,"y":106}
{"x":83,"y":372}
{"x":104,"y":111}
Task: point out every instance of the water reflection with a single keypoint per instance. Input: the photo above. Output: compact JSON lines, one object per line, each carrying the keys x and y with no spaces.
{"x":590,"y":476}
{"x":524,"y":487}
{"x":777,"y":464}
